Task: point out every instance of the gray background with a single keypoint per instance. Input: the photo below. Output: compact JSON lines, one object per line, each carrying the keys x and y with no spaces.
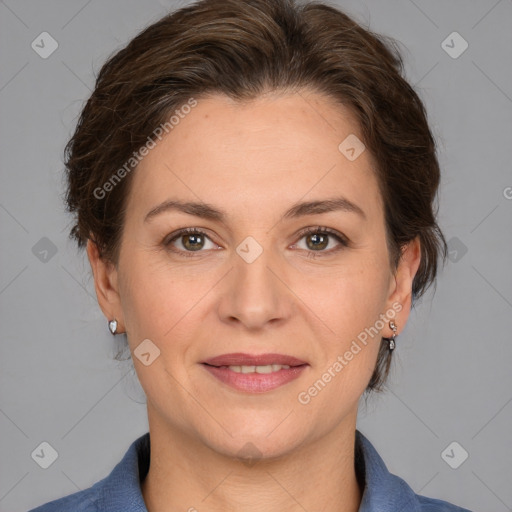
{"x":451,"y":379}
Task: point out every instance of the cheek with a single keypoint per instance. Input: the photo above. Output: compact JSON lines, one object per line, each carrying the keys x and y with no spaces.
{"x":149,"y":297}
{"x":352,"y":298}
{"x":159,"y":301}
{"x":350,"y":307}
{"x":349,"y":303}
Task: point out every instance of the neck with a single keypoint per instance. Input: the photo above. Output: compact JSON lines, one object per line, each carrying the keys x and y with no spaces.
{"x":185,"y":474}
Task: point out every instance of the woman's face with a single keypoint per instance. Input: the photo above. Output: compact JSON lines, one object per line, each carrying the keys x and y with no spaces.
{"x":252,"y":282}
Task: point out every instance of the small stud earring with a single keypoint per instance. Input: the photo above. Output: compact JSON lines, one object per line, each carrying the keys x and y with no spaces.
{"x":392,"y":343}
{"x":112,"y":325}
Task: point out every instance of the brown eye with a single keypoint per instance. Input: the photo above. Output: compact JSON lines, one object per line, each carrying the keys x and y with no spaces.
{"x":317,"y":241}
{"x":189,"y":240}
{"x":192,"y":242}
{"x":319,"y":238}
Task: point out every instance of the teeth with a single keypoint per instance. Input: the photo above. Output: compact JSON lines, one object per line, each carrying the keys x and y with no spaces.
{"x":269,"y":368}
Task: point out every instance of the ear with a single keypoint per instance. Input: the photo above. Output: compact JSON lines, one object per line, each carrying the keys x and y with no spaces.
{"x":106,"y":285}
{"x":401,"y":282}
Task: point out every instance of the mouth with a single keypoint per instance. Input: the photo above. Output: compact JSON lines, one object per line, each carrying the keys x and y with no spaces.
{"x":255,"y":373}
{"x":249,"y":360}
{"x":261,"y":369}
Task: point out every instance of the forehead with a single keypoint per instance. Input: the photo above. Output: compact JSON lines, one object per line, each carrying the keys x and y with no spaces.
{"x":268,"y":152}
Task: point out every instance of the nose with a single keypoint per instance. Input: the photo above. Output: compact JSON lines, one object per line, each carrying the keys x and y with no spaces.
{"x":254,"y":293}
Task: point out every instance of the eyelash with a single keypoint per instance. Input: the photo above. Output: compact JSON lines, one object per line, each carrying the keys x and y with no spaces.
{"x":308,"y":231}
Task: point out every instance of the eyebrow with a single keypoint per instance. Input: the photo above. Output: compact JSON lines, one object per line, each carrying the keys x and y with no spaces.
{"x":207,"y":211}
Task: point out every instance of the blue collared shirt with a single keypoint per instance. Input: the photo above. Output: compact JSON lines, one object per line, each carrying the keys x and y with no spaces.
{"x":120,"y":491}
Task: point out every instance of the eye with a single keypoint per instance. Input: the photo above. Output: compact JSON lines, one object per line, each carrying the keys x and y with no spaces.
{"x":319,"y":238}
{"x":190,"y":239}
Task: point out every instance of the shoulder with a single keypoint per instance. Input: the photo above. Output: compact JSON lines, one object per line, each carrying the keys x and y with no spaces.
{"x":433,"y":505}
{"x":409,"y":501}
{"x":120,"y":490}
{"x":387,"y":492}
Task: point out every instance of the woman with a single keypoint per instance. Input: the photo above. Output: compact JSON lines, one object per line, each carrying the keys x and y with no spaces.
{"x":254,"y":183}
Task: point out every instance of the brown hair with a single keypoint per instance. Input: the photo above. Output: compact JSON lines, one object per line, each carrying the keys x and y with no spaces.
{"x":243,"y":49}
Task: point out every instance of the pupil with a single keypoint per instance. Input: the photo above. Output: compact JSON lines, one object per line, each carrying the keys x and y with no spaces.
{"x":319,"y":238}
{"x":195,"y":238}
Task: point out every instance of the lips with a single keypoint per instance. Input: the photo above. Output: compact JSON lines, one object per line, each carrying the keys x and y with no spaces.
{"x":241,"y":359}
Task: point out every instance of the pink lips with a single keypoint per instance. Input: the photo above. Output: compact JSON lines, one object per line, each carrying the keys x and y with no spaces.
{"x":254,"y":382}
{"x":240,"y":359}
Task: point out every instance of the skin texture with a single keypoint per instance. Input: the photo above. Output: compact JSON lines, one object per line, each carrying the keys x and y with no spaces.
{"x":254,"y":160}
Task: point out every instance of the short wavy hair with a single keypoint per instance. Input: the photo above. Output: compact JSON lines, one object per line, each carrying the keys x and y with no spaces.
{"x":244,"y":49}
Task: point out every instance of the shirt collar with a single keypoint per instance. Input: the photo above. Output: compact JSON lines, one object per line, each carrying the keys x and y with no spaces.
{"x":383,"y":491}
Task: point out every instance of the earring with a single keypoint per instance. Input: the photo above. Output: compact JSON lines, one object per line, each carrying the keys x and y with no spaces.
{"x":392,"y":343}
{"x":112,"y":325}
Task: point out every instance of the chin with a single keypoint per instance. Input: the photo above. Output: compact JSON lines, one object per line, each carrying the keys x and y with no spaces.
{"x":266,"y":440}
